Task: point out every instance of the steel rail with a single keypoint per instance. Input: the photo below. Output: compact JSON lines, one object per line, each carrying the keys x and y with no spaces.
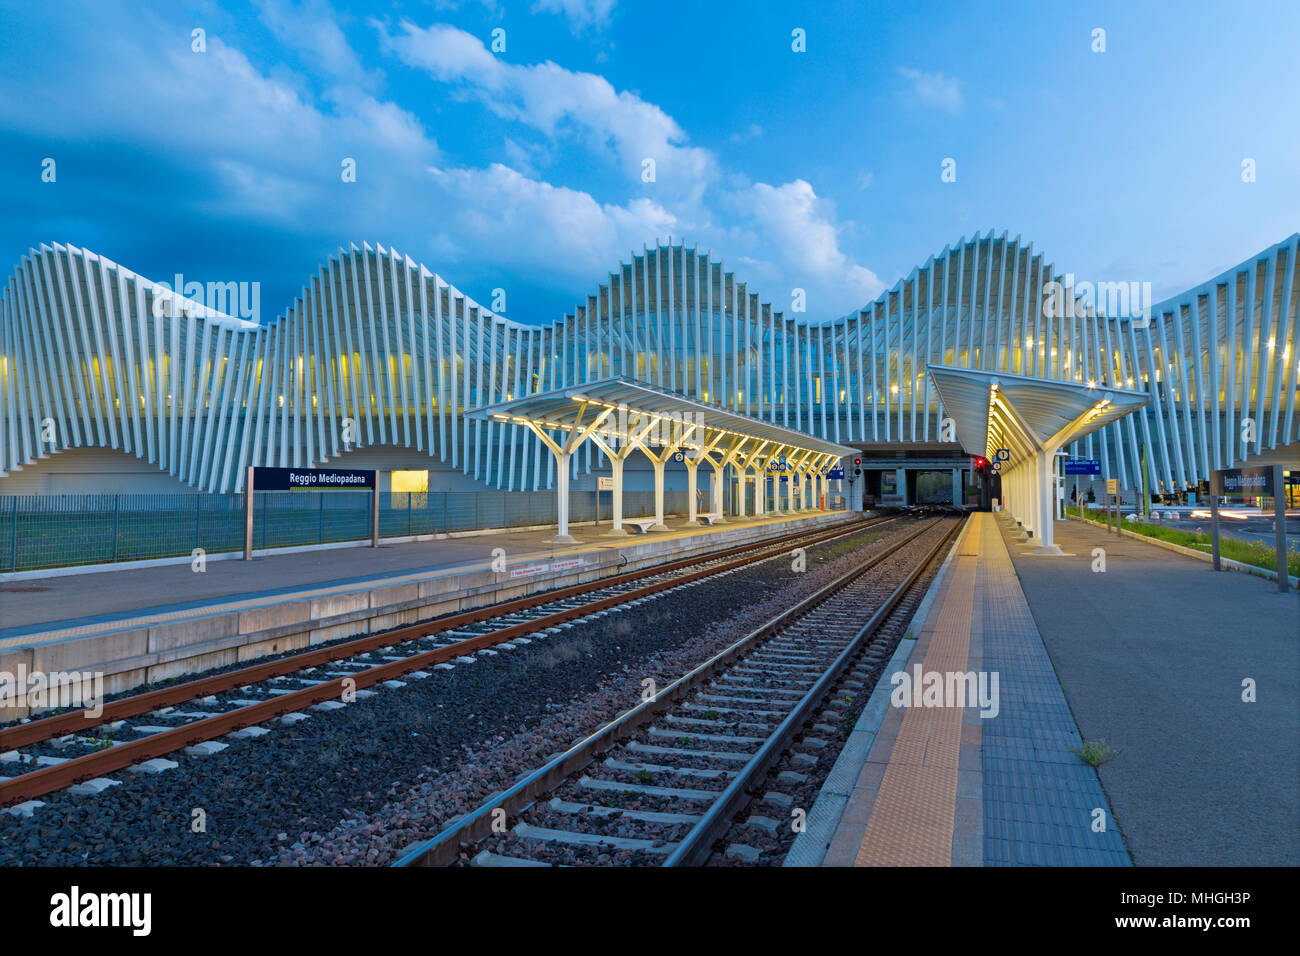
{"x":35,"y":731}
{"x":31,"y":784}
{"x":444,"y":846}
{"x":697,"y":845}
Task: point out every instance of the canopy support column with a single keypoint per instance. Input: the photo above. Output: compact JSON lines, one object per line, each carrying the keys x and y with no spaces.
{"x":659,"y":495}
{"x":616,"y":461}
{"x":563,"y":456}
{"x":692,"y":465}
{"x":1047,"y":502}
{"x":702,"y":453}
{"x":616,"y":467}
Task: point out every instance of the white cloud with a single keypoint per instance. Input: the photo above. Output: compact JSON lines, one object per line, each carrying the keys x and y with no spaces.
{"x":311,"y":25}
{"x":580,"y":13}
{"x":258,"y":152}
{"x":559,"y":103}
{"x":933,"y":89}
{"x":801,"y":227}
{"x":513,"y":220}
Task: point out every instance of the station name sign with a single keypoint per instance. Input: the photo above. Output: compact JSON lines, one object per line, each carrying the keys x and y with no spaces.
{"x":1083,"y":466}
{"x":311,"y":479}
{"x":1242,"y":481}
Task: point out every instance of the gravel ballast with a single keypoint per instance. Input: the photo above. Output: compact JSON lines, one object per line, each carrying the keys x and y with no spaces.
{"x":357,"y":784}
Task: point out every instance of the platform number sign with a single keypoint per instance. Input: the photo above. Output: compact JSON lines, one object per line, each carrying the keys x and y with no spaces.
{"x":999,"y":456}
{"x":679,"y":456}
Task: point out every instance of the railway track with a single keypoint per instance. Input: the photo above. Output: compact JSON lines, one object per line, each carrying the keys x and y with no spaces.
{"x":52,"y":753}
{"x":663,"y":782}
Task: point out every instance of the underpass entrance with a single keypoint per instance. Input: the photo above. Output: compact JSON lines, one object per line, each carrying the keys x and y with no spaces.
{"x":931,"y":487}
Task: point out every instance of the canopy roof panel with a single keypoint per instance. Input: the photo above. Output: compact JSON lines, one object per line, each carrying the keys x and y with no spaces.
{"x":994,"y":410}
{"x":561,"y":408}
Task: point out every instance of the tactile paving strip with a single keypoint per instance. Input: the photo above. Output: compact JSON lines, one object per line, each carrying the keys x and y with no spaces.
{"x":911,"y":820}
{"x":1040,"y":799}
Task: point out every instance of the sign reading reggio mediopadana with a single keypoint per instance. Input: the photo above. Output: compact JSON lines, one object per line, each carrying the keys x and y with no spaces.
{"x":311,"y":479}
{"x":1250,"y":482}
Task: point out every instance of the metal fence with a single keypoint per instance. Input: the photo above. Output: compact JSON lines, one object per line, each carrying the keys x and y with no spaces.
{"x":51,"y":531}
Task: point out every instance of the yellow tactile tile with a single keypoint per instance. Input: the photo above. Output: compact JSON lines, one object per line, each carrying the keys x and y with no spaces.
{"x":911,"y":821}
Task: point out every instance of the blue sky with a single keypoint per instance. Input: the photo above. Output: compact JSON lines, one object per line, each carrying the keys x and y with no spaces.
{"x":522,"y":169}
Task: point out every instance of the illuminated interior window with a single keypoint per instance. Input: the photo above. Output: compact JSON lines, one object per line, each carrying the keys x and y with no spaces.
{"x":410,"y":481}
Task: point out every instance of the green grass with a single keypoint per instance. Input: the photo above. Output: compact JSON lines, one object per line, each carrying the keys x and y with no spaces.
{"x":1254,"y":553}
{"x":1096,"y":752}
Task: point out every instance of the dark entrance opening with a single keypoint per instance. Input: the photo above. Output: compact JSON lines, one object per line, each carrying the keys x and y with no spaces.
{"x":870,"y":489}
{"x":930,"y":487}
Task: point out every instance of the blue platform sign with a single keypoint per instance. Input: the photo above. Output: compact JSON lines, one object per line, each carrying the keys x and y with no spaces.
{"x":835,"y":473}
{"x":1082,"y":466}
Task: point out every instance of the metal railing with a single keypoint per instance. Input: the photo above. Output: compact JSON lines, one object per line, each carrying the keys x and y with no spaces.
{"x":52,"y":531}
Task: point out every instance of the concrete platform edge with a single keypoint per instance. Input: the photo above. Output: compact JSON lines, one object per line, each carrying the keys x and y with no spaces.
{"x":133,"y":651}
{"x":810,"y":847}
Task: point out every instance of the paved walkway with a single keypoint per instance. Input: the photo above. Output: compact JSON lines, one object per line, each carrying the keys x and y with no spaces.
{"x":76,"y":601}
{"x":1152,"y":654}
{"x":1149,"y":654}
{"x":937,"y":784}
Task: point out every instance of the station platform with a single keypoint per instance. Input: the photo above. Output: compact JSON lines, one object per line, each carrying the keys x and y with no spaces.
{"x":1148,"y":655}
{"x":150,"y":624}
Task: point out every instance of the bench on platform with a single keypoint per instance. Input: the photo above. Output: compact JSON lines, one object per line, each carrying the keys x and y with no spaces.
{"x":642,"y":524}
{"x":710,"y":518}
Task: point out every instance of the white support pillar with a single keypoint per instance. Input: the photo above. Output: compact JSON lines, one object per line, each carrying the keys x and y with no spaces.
{"x":741,"y":477}
{"x":562,"y":536}
{"x":692,"y":466}
{"x":617,"y":531}
{"x":659,"y":464}
{"x":715,"y":492}
{"x":1030,"y":483}
{"x":1013,"y":486}
{"x":1043,"y":461}
{"x":777,"y":508}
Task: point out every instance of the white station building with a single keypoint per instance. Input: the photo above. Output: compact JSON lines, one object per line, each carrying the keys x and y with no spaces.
{"x":112,"y":383}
